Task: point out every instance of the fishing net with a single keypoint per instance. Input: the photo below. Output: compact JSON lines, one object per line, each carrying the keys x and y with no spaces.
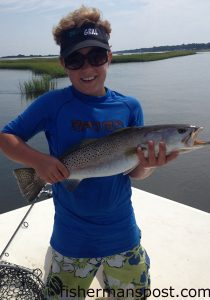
{"x":16,"y":282}
{"x":20,"y":283}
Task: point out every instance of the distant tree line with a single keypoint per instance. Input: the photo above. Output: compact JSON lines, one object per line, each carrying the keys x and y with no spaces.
{"x":28,"y":56}
{"x":193,"y":46}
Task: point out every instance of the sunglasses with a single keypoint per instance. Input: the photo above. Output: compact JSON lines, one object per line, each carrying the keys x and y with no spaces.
{"x":95,"y":57}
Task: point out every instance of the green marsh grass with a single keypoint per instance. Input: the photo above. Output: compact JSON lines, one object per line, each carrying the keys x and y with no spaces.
{"x":145,"y":57}
{"x":52,"y":67}
{"x":37,"y":86}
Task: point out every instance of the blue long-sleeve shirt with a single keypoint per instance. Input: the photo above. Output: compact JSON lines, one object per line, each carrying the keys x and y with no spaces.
{"x":96,"y":219}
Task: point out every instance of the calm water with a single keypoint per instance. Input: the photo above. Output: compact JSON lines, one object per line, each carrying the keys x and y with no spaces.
{"x":171,"y":91}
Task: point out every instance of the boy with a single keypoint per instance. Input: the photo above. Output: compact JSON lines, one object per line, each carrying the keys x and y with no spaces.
{"x":95,"y":224}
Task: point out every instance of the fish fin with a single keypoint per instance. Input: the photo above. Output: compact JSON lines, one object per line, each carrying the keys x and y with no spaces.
{"x":131,"y":151}
{"x":29,"y":183}
{"x":131,"y":169}
{"x":71,"y":184}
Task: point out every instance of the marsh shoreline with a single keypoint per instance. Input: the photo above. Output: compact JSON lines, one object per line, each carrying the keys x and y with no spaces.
{"x":52,"y":67}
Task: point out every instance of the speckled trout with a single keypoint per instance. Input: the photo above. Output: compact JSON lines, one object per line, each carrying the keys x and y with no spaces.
{"x":113,"y":154}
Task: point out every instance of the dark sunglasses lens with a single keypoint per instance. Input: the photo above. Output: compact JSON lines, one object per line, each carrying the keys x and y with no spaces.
{"x":98,"y":57}
{"x":74,"y":61}
{"x":95,"y":57}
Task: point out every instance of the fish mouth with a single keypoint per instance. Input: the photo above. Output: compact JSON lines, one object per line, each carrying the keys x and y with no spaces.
{"x":191,"y":142}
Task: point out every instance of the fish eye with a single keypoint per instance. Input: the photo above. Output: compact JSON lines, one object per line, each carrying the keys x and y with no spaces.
{"x":181,"y":130}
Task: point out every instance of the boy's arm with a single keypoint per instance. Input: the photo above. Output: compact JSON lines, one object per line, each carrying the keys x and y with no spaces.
{"x":47,"y":167}
{"x":148,"y":165}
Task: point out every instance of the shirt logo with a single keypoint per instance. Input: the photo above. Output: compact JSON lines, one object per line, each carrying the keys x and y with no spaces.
{"x":109,"y":125}
{"x":90,"y":31}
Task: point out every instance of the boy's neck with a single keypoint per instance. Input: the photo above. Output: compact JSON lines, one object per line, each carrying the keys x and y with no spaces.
{"x":103,"y":92}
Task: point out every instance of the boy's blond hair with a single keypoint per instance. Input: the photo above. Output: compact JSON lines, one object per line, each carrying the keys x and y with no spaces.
{"x":77,"y":18}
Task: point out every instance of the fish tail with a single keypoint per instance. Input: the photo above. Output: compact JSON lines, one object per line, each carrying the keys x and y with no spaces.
{"x":29,"y":183}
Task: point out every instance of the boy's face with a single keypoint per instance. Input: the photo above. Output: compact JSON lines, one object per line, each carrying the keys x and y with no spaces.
{"x":89,"y":79}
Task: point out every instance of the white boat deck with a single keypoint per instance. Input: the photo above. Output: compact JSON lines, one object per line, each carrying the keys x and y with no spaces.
{"x":177,"y":239}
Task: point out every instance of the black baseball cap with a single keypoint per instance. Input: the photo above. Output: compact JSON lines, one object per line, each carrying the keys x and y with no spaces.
{"x":88,"y":35}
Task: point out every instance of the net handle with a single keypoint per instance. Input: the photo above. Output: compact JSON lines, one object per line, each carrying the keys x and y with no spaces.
{"x":43,"y":191}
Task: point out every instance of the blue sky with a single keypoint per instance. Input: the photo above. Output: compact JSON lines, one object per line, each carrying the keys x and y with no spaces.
{"x":26,"y":25}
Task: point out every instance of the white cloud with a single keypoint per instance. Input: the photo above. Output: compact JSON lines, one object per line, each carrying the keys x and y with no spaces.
{"x":35,"y":5}
{"x":49,"y":5}
{"x":161,"y":22}
{"x":135,"y":23}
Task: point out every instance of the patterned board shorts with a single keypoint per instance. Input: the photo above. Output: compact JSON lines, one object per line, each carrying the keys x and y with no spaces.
{"x":125,"y":276}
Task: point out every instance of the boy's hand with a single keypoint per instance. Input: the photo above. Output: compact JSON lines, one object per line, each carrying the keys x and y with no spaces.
{"x":148,"y":164}
{"x":152,"y":160}
{"x":50,"y":169}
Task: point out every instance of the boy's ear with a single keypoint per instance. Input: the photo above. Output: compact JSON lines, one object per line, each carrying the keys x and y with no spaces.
{"x":109,"y":57}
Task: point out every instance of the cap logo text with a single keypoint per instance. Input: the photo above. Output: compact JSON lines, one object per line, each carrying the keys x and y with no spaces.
{"x":90,"y":31}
